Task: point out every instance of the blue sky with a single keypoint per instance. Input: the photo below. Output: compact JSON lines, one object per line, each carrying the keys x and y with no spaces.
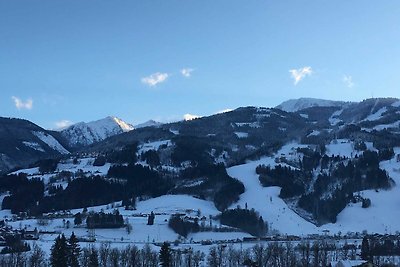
{"x":83,"y":60}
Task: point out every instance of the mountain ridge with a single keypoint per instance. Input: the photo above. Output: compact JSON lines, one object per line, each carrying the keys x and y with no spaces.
{"x":86,"y":133}
{"x":294,"y":105}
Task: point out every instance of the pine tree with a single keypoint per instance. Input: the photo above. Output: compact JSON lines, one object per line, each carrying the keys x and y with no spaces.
{"x":150,"y":220}
{"x":165,"y":255}
{"x":261,"y":227}
{"x":73,"y":251}
{"x":78,"y":219}
{"x":365,"y":249}
{"x":59,"y":252}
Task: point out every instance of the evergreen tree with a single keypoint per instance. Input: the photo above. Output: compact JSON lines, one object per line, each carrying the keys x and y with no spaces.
{"x":78,"y":219}
{"x":165,"y":255}
{"x":59,"y":252}
{"x":74,"y":251}
{"x":150,"y":219}
{"x":261,"y":227}
{"x":365,"y":249}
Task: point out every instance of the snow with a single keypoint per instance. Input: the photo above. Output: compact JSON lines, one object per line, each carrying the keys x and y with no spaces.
{"x":266,"y":200}
{"x":396,"y":104}
{"x":172,"y":204}
{"x":242,"y":134}
{"x":381,"y":127}
{"x":153,"y":145}
{"x":334,"y":120}
{"x":149,"y":123}
{"x":175,"y":132}
{"x":347,"y":263}
{"x":305,"y":116}
{"x":163,"y":207}
{"x":84,"y":164}
{"x":88,"y":133}
{"x":370,"y":146}
{"x":250,"y":124}
{"x":377,"y":115}
{"x":31,"y":171}
{"x":382,"y":216}
{"x":50,"y":141}
{"x":340,"y":147}
{"x":294,"y":105}
{"x":314,"y":133}
{"x":219,"y":236}
{"x":33,"y":145}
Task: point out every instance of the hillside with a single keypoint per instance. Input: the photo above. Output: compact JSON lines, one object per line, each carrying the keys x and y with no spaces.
{"x":23,"y":143}
{"x":294,"y":105}
{"x":304,"y":172}
{"x":83,"y":134}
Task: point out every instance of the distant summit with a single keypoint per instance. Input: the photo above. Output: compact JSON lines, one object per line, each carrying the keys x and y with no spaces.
{"x":149,"y":123}
{"x":88,"y":133}
{"x":294,"y":105}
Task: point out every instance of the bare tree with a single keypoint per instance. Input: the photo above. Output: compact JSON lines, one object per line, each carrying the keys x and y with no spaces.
{"x":259,"y":252}
{"x":85,"y":257}
{"x":37,"y":257}
{"x":134,"y":256}
{"x":114,"y":257}
{"x":104,"y":254}
{"x":198,"y":257}
{"x":212,"y":258}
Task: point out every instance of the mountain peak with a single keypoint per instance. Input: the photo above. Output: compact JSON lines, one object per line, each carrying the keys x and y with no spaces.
{"x":149,"y":123}
{"x":294,"y":105}
{"x":84,"y":133}
{"x":126,"y":127}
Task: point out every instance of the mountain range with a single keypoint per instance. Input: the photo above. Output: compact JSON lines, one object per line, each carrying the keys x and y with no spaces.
{"x":83,"y":134}
{"x":316,"y":163}
{"x":243,"y":132}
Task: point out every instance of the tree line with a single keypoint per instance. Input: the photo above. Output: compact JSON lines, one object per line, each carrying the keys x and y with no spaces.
{"x":66,"y":252}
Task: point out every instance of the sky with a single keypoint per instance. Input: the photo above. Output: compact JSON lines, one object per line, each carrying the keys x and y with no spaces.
{"x":66,"y":61}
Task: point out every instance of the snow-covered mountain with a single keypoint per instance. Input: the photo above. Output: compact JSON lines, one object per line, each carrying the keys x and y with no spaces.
{"x":88,"y":133}
{"x":294,"y":105}
{"x":149,"y":123}
{"x":305,"y":172}
{"x":23,"y":142}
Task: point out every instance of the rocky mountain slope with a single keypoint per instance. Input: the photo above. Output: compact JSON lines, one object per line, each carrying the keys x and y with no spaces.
{"x":315,"y":161}
{"x":22,"y":143}
{"x":82,"y":134}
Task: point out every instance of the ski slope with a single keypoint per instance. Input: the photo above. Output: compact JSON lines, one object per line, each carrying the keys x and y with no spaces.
{"x":266,"y":200}
{"x":381,"y":217}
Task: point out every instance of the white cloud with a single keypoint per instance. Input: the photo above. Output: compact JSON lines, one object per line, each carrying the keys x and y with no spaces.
{"x":300,"y":74}
{"x":155,"y":78}
{"x":63,"y":124}
{"x":189,"y":117}
{"x":187,"y":72}
{"x":348,"y":80}
{"x":20,"y":104}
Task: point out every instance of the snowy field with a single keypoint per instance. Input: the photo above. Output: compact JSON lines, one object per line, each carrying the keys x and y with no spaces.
{"x":381,"y":217}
